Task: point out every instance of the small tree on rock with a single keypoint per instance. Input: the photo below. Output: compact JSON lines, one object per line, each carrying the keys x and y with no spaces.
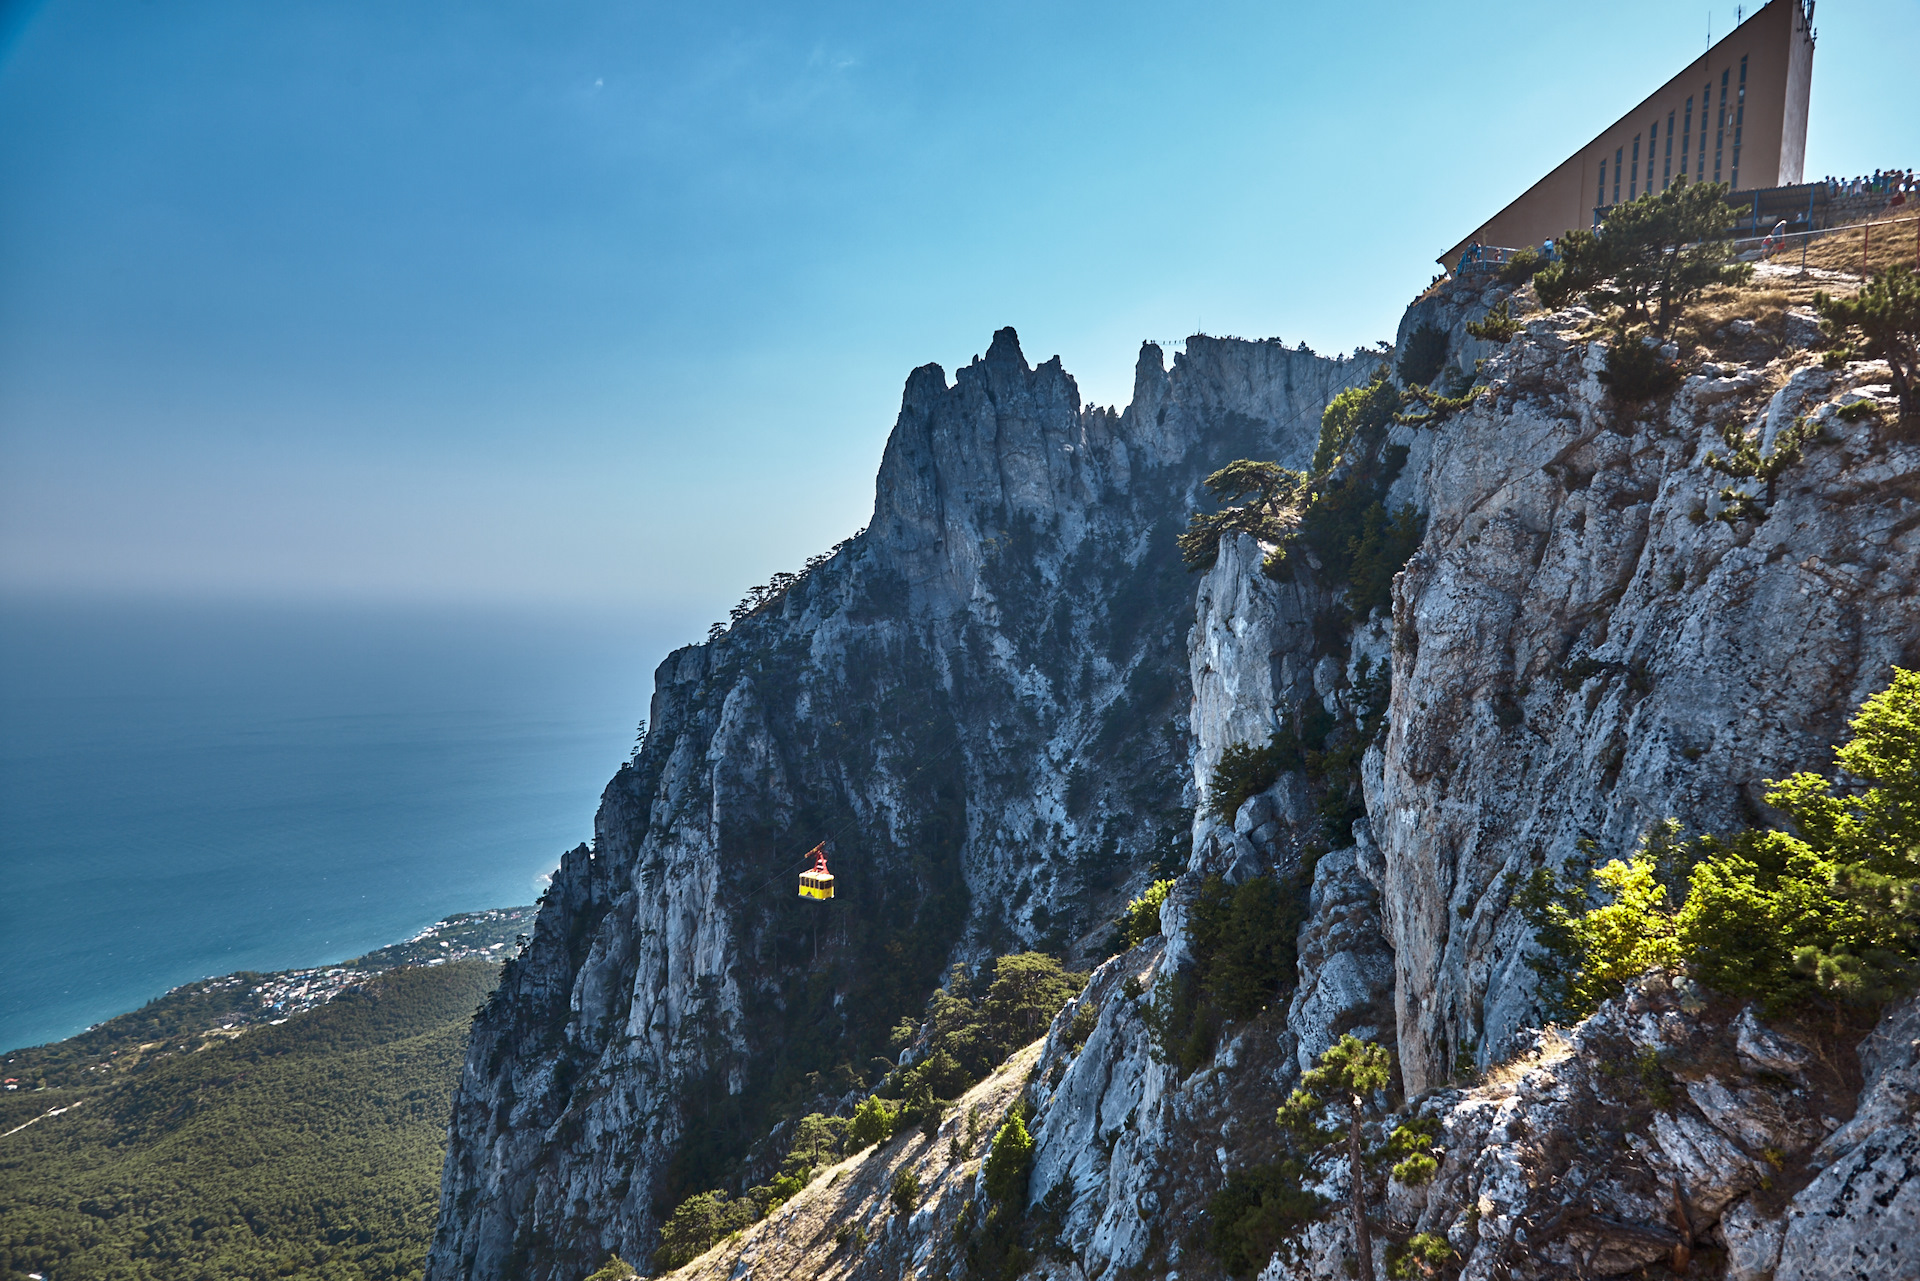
{"x":1651,"y":256}
{"x":1340,"y":1088}
{"x":1881,"y":322}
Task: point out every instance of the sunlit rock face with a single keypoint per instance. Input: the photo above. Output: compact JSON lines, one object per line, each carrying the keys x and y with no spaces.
{"x":1003,"y":705}
{"x":980,"y":702}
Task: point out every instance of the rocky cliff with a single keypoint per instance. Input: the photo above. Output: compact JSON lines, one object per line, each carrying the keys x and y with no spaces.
{"x":1006,"y":705}
{"x":979,"y":703}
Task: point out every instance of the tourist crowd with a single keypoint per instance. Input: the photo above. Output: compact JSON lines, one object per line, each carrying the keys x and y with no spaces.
{"x":1883,"y":182}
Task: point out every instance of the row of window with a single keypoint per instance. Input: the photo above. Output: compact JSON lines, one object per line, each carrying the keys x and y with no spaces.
{"x":1629,"y":172}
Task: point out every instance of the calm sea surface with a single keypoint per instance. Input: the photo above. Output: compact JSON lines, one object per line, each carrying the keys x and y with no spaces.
{"x":186,"y":791}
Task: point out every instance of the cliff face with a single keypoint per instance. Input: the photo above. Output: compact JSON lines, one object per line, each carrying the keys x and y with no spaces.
{"x":1004,"y":702}
{"x":979,"y":703}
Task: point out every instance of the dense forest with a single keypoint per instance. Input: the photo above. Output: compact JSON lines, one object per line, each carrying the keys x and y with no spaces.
{"x":310,"y":1148}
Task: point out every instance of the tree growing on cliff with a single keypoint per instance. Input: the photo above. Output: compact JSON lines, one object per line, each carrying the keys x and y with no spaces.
{"x":1823,"y":914}
{"x":1651,"y":256}
{"x":1881,"y":322}
{"x":1256,"y":497}
{"x":1340,"y":1089}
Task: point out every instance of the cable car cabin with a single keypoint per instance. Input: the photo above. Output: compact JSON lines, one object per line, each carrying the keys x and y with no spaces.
{"x":817,"y":881}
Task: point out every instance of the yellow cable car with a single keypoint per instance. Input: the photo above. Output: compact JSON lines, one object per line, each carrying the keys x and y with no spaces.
{"x":817,"y":881}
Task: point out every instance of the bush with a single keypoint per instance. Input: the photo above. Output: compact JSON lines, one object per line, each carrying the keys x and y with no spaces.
{"x":1378,"y":552}
{"x":1522,"y":267}
{"x":1425,"y":356}
{"x":614,"y":1269}
{"x":971,"y":1031}
{"x":1821,"y":917}
{"x":1141,"y":920}
{"x":1010,"y":1164}
{"x":698,"y":1224}
{"x":1243,"y":940}
{"x":872,"y":1123}
{"x":1636,"y":371}
{"x":1357,"y":416}
{"x":1652,"y":255}
{"x":1498,"y":325}
{"x":1257,"y":1212}
{"x":1881,"y":322}
{"x":1423,"y":1255}
{"x":905,"y":1194}
{"x":1245,"y":771}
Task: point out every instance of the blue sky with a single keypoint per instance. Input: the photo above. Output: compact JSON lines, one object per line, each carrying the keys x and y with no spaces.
{"x":609,"y":305}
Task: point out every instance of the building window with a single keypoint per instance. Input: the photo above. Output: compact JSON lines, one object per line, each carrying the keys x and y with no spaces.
{"x":1666,"y":166}
{"x":1653,"y":145}
{"x":1600,"y":197}
{"x":1720,"y":124}
{"x":1686,"y":138}
{"x":1739,"y":120}
{"x":1706,"y":104}
{"x":1619,"y":159}
{"x":1633,"y":175}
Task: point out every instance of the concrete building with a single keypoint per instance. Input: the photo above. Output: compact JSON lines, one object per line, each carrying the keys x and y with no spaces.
{"x":1738,"y":114}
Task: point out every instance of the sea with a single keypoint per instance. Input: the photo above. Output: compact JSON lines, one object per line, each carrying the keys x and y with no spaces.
{"x":190,"y":789}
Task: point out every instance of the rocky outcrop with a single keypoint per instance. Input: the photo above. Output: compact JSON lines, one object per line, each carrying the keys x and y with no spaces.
{"x":1581,"y":648}
{"x":979,"y":703}
{"x":984,"y":703}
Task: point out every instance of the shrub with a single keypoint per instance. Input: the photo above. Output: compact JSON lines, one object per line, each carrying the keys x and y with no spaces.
{"x":1744,"y":462}
{"x":1357,"y":416}
{"x":1636,"y":371}
{"x":1823,"y":916}
{"x":1141,"y":920}
{"x":1881,"y":322}
{"x":1378,"y":552}
{"x":1498,"y":325}
{"x":1425,"y":356}
{"x":1522,"y":267}
{"x":1256,"y":1213}
{"x":1652,"y":255}
{"x":614,"y":1269}
{"x":1422,"y":1255}
{"x":971,"y":1031}
{"x":1084,"y":1020}
{"x":1243,"y":940}
{"x":872,"y":1123}
{"x":697,"y":1224}
{"x":1244,"y":771}
{"x":1010,"y":1163}
{"x":906,"y":1191}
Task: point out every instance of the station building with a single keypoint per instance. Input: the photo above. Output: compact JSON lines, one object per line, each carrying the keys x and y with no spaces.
{"x":1737,"y":114}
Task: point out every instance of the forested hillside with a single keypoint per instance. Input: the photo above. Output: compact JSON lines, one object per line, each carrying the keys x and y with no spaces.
{"x":310,"y":1148}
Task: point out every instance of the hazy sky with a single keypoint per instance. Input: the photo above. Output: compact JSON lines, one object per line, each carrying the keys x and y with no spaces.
{"x":610,"y":304}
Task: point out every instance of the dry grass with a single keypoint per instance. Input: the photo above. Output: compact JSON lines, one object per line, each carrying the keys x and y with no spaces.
{"x":1554,"y":1047}
{"x":1879,"y":243}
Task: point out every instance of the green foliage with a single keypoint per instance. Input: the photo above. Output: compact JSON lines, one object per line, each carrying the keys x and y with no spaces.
{"x":973,"y":1026}
{"x":1357,"y":417}
{"x":1010,"y":1164}
{"x":1340,"y":1085}
{"x":1256,"y":498}
{"x":1245,"y":771}
{"x":1243,"y":941}
{"x":1257,"y":1212}
{"x":873,"y":1122}
{"x":1422,"y":1255}
{"x":1082,"y":1026}
{"x":1378,"y":552}
{"x":1826,"y":915}
{"x":1424,"y":358}
{"x":1636,"y":371}
{"x":1743,"y":461}
{"x":1413,"y":1142}
{"x":614,"y":1269}
{"x":1652,"y":255}
{"x":1881,"y":322}
{"x":699,"y":1223}
{"x":251,"y":1157}
{"x":905,"y":1193}
{"x":1522,"y":267}
{"x":1498,"y":325}
{"x":1141,"y":920}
